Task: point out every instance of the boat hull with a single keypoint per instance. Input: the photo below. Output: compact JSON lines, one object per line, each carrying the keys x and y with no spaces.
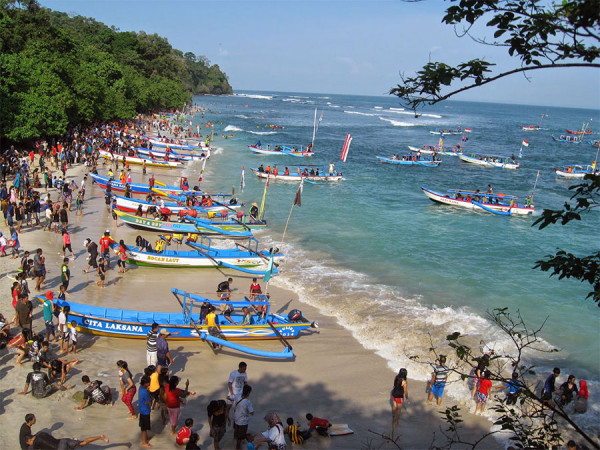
{"x":136,"y":188}
{"x":430,"y":150}
{"x":488,"y":163}
{"x":424,"y":163}
{"x":131,"y":205}
{"x":296,"y":177}
{"x":289,"y":151}
{"x":575,"y":172}
{"x":141,"y":161}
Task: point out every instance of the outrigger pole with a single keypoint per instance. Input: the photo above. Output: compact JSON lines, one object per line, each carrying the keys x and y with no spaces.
{"x":534,"y":185}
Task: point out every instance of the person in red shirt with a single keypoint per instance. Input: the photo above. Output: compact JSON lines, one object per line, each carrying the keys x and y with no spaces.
{"x":105,"y":244}
{"x":183,"y":435}
{"x":318,"y":424}
{"x":483,"y":392}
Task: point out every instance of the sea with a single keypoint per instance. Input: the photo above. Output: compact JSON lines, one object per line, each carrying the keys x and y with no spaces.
{"x":397,"y":270}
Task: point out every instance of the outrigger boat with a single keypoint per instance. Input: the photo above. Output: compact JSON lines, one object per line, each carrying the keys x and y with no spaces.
{"x":569,"y":139}
{"x":534,"y":127}
{"x":229,"y":228}
{"x":138,"y":188}
{"x":438,"y":150}
{"x":177,"y":144}
{"x":501,"y":204}
{"x":576,"y":171}
{"x":172,"y":155}
{"x":283,"y":149}
{"x":584,"y":131}
{"x":311,"y":175}
{"x":139,"y":160}
{"x":503,"y":162}
{"x":204,"y":255}
{"x":595,"y":143}
{"x":187,"y":324}
{"x":409,"y":160}
{"x":447,"y":132}
{"x":131,"y":205}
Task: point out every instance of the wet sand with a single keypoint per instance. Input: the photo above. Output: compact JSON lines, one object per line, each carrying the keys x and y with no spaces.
{"x":332,"y":375}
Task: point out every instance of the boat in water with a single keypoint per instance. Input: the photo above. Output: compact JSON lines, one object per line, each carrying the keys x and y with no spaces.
{"x":188,"y":324}
{"x":576,"y":171}
{"x":299,"y":173}
{"x":414,"y":159}
{"x":575,"y":139}
{"x":132,"y":205}
{"x":584,"y":131}
{"x":449,"y":132}
{"x":283,"y":149}
{"x":500,"y":204}
{"x":438,"y":150}
{"x":502,"y":162}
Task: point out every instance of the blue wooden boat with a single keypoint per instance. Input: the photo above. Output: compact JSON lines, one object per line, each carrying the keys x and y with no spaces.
{"x":283,"y":149}
{"x":136,"y":188}
{"x":408,"y":160}
{"x":136,"y":324}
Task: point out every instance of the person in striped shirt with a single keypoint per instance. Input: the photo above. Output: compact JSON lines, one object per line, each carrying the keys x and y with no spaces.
{"x":438,"y":381}
{"x":151,"y":352}
{"x":296,"y":435}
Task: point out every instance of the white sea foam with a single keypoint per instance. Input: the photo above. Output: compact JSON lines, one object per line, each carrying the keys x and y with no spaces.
{"x":397,"y":123}
{"x":232,"y":128}
{"x":262,"y":132}
{"x":377,"y":107}
{"x":256,"y":96}
{"x":360,"y":113}
{"x":396,"y":109}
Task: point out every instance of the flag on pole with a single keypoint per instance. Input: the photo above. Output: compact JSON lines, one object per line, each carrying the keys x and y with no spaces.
{"x":346,"y":147}
{"x":202,"y":171}
{"x":525,"y":143}
{"x":269,"y":270}
{"x":467,"y":130}
{"x":298,"y":198}
{"x":243,"y":180}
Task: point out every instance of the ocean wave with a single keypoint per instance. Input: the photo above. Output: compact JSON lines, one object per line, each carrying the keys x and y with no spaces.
{"x":262,"y":132}
{"x":396,"y":109}
{"x":256,"y":96}
{"x":360,"y":113}
{"x":232,"y":128}
{"x":397,"y":123}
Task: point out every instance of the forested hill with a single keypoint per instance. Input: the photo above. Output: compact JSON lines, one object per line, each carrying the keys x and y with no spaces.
{"x":57,"y":70}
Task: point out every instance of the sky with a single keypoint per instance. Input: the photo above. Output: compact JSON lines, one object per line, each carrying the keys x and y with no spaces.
{"x":331,"y":46}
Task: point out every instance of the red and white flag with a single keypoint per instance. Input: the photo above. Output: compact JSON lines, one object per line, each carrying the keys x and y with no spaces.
{"x":467,"y":130}
{"x":346,"y":147}
{"x":525,"y":143}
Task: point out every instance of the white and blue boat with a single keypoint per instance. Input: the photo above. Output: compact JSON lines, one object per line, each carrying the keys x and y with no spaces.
{"x":498,"y":161}
{"x":500,"y":204}
{"x":408,"y":160}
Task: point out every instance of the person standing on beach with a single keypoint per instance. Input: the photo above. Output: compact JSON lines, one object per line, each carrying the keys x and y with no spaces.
{"x":105,"y":244}
{"x":65,"y":273}
{"x":217,"y":418}
{"x":483,"y":392}
{"x":174,"y":396}
{"x":163,"y":355}
{"x":23,"y":316}
{"x":67,"y":243}
{"x":242,"y":410}
{"x":145,"y":407}
{"x":48,"y":310}
{"x":101,"y":273}
{"x":235,"y":385}
{"x":39,"y":268}
{"x":399,"y":394}
{"x":482,"y":365}
{"x":438,"y":381}
{"x":151,"y":352}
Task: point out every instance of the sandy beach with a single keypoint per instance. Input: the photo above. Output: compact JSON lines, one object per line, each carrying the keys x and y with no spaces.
{"x":332,"y":376}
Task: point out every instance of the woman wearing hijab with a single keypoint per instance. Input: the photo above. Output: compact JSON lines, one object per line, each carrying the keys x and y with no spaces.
{"x":274,"y":435}
{"x":581,"y":399}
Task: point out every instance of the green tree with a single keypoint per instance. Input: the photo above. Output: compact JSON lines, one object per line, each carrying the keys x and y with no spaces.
{"x":539,"y":34}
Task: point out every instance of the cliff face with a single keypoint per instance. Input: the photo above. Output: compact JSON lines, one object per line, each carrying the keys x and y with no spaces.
{"x":58,"y":70}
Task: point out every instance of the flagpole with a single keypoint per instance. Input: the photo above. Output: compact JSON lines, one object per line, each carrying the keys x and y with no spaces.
{"x":534,"y":185}
{"x":286,"y":224}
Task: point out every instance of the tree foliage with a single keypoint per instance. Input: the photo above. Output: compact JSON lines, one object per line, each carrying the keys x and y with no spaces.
{"x":564,"y":264}
{"x":58,"y":70}
{"x":539,"y":34}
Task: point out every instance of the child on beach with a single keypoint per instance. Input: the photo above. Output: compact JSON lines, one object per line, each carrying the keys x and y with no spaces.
{"x":72,"y":337}
{"x":483,"y":391}
{"x":101,"y":273}
{"x":79,"y":204}
{"x":63,"y":330}
{"x":67,"y":243}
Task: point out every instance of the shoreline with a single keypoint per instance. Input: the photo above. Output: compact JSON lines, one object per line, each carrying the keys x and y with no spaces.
{"x":322,"y":379}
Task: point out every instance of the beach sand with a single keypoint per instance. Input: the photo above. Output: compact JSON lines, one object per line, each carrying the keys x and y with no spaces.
{"x":332,"y":376}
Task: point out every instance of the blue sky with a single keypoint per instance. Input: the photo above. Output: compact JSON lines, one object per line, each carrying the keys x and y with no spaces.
{"x":330,"y":46}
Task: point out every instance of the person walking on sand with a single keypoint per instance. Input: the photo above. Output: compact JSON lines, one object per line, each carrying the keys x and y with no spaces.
{"x":65,"y":274}
{"x":39,"y":268}
{"x":23,"y":316}
{"x":67,"y":243}
{"x":235,"y":385}
{"x":128,"y":388}
{"x":399,"y":395}
{"x":217,"y":420}
{"x":101,"y":273}
{"x":438,"y":381}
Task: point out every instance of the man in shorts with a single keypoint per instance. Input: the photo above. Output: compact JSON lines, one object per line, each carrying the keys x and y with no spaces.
{"x":94,"y":392}
{"x":242,"y":410}
{"x":235,"y":385}
{"x":39,"y":268}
